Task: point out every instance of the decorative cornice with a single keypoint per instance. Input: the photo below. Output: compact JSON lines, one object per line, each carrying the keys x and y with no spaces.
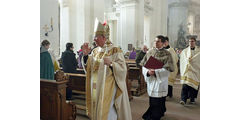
{"x":111,"y":15}
{"x":124,"y":3}
{"x":65,"y":3}
{"x":147,"y":9}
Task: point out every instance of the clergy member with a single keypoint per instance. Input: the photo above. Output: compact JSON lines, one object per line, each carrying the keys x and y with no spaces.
{"x":46,"y":64}
{"x":106,"y":91}
{"x":190,"y":72}
{"x":173,"y":75}
{"x":157,"y":80}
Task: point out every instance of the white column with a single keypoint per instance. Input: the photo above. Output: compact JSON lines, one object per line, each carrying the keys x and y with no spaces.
{"x":76,"y":22}
{"x":119,"y":30}
{"x":140,"y":24}
{"x":128,"y":23}
{"x":64,"y":25}
{"x":156,"y":20}
{"x":89,"y":20}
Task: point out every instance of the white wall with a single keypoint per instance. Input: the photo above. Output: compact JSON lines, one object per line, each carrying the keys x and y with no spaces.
{"x":50,"y":9}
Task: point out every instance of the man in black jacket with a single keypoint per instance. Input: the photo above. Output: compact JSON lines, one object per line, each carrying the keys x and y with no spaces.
{"x":141,"y":55}
{"x":69,"y":64}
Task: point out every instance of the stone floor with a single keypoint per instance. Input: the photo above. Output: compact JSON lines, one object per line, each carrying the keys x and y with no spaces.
{"x":175,"y":111}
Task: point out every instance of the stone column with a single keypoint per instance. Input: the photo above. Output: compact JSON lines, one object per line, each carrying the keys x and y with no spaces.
{"x":155,"y":20}
{"x":76,"y":23}
{"x":130,"y":27}
{"x":64,"y":25}
{"x":82,"y":14}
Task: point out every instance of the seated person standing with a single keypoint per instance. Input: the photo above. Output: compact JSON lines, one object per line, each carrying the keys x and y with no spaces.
{"x":69,"y":64}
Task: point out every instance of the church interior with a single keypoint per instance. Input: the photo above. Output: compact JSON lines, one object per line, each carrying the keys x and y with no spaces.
{"x":133,"y":24}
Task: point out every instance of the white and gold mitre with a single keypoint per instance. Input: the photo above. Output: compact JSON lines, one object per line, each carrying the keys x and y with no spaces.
{"x":98,"y":28}
{"x":101,"y":29}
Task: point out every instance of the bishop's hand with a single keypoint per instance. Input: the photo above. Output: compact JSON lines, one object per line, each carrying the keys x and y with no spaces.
{"x":107,"y":61}
{"x":86,"y":49}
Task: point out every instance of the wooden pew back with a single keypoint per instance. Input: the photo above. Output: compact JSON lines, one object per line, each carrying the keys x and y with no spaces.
{"x":53,"y":105}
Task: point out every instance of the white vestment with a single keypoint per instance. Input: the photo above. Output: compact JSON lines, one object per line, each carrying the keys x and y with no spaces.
{"x":190,"y":67}
{"x":157,"y":86}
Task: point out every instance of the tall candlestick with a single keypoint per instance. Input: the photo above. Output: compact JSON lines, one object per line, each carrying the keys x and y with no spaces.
{"x":51,"y":21}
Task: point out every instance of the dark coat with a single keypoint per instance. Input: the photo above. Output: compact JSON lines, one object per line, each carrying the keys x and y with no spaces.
{"x":46,"y":65}
{"x":140,"y":57}
{"x":69,"y":61}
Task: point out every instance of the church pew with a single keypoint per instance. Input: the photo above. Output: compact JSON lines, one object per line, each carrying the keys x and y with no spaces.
{"x":139,"y":86}
{"x":80,"y":71}
{"x":77,"y":82}
{"x":53,"y":104}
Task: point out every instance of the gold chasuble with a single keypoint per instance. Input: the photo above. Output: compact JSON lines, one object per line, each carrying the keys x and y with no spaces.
{"x":173,"y":75}
{"x":115,"y":85}
{"x":190,"y":67}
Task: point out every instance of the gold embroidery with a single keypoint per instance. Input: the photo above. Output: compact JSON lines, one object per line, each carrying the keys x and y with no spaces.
{"x":171,"y":80}
{"x":98,"y":56}
{"x":185,"y":78}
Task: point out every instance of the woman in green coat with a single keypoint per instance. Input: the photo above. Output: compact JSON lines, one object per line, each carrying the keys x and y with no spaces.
{"x":46,"y":65}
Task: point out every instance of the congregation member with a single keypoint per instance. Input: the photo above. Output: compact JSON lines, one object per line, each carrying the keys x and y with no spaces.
{"x":132,"y":54}
{"x":54,"y":60}
{"x":79,"y":59}
{"x":46,"y":64}
{"x":141,"y":55}
{"x":69,"y":64}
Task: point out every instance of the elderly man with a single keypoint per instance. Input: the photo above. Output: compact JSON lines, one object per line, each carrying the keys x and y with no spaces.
{"x":190,"y":72}
{"x":141,"y":55}
{"x":106,"y":91}
{"x":157,"y":79}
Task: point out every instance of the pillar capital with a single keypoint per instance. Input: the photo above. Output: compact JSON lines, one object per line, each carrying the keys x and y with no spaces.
{"x":125,"y":3}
